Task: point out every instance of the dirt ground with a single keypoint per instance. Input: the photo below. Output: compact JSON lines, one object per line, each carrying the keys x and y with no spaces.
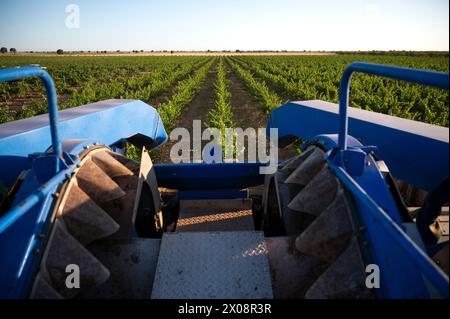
{"x":158,"y":100}
{"x":196,"y":110}
{"x":249,"y":113}
{"x":246,"y":111}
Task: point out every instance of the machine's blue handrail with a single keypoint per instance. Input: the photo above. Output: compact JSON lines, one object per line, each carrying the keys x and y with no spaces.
{"x":29,"y":202}
{"x":429,"y":78}
{"x":31,"y":71}
{"x":429,"y":269}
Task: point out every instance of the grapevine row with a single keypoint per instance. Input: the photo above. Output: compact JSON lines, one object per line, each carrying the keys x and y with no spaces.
{"x":187,"y":89}
{"x":221,"y":114}
{"x":258,"y":89}
{"x":304,"y":78}
{"x":148,"y":81}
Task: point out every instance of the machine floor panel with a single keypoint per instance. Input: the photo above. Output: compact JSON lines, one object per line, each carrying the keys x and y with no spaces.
{"x":132,"y":264}
{"x":207,"y":265}
{"x":215,"y":215}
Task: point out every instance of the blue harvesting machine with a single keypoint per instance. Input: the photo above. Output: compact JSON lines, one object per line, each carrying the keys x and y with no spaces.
{"x":79,"y":219}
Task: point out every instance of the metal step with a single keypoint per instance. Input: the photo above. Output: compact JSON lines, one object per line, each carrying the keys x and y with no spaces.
{"x":208,"y":265}
{"x":215,"y":215}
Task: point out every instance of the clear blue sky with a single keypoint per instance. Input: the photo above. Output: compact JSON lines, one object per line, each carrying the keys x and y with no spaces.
{"x":227,"y":25}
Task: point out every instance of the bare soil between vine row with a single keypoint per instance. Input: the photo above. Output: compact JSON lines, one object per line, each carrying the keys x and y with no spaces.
{"x":196,"y":110}
{"x":247,"y":112}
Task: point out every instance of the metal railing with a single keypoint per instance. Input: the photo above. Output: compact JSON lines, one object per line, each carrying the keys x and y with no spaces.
{"x":31,"y":200}
{"x":429,"y":78}
{"x":35,"y":71}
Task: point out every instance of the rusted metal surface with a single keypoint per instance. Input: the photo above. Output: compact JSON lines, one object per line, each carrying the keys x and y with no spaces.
{"x":294,"y":222}
{"x":63,"y":250}
{"x":127,"y":162}
{"x":111,"y":166}
{"x":292,"y":272}
{"x":132,"y":264}
{"x":97,"y":203}
{"x":121,"y":209}
{"x":291,"y":164}
{"x":330,"y":233}
{"x":309,"y":168}
{"x":345,"y":278}
{"x":413,"y":196}
{"x":43,"y":290}
{"x":97,"y":184}
{"x":85,"y":220}
{"x":317,"y":195}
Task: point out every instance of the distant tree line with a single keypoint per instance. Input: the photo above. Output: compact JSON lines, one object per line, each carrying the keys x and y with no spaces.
{"x":444,"y":54}
{"x":4,"y":50}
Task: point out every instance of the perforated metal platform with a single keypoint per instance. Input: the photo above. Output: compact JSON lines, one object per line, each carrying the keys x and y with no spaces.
{"x":206,"y":265}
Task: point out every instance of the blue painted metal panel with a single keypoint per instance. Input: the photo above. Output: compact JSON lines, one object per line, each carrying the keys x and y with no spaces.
{"x":403,"y":265}
{"x":330,"y":141}
{"x":366,"y":175}
{"x":107,"y":122}
{"x":218,"y":176}
{"x":23,"y":230}
{"x":415,"y":152}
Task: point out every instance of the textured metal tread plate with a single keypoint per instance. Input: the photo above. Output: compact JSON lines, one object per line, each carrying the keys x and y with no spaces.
{"x":132,"y":264}
{"x":209,"y":265}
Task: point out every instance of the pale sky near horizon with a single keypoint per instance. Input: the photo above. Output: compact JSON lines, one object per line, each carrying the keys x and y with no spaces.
{"x":39,"y":25}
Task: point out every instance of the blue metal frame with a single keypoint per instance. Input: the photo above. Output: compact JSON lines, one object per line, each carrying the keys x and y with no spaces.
{"x":415,"y":152}
{"x":430,"y":78}
{"x":109,"y":122}
{"x":208,"y":177}
{"x":24,"y":145}
{"x":25,"y":205}
{"x":32,"y":71}
{"x":357,"y":170}
{"x":376,"y":207}
{"x":25,"y":227}
{"x":403,"y":265}
{"x":406,"y":271}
